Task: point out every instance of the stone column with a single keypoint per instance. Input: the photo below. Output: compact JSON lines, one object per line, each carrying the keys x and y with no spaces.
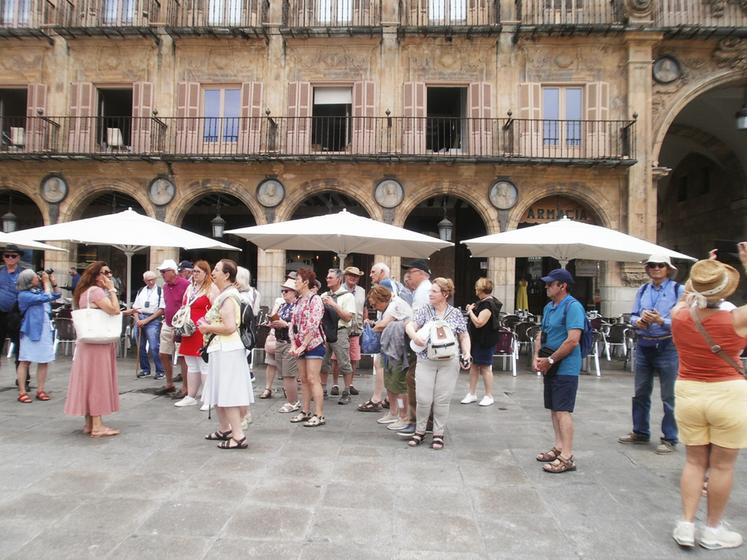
{"x":502,"y":271}
{"x":270,"y":274}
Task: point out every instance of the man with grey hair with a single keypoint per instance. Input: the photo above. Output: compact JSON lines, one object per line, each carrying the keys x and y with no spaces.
{"x":148,"y":316}
{"x":343,"y":302}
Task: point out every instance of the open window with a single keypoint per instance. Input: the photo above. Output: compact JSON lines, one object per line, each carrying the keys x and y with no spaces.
{"x":114,"y":130}
{"x":562,"y":114}
{"x":446,"y":122}
{"x":13,"y":118}
{"x":118,"y":12}
{"x":331,"y":123}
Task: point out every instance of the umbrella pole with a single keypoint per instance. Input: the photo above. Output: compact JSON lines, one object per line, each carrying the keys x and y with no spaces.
{"x":341,"y":260}
{"x":563,"y":263}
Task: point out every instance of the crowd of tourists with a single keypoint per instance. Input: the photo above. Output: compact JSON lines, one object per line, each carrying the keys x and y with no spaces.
{"x":687,"y":334}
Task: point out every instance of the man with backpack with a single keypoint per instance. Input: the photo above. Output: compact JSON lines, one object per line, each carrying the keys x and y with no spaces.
{"x":655,"y":352}
{"x":148,"y":311}
{"x":557,"y":356}
{"x":341,"y":302}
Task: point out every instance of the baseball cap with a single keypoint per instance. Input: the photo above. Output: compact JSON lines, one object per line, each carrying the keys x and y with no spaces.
{"x":418,"y":264}
{"x":186,"y":265}
{"x":168,"y":264}
{"x":558,"y":275}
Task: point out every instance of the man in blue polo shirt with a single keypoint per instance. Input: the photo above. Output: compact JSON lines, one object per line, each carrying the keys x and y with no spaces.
{"x":10,"y":318}
{"x":558,"y":357}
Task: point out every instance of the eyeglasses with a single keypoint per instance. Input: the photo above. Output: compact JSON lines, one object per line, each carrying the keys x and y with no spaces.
{"x":285,"y":291}
{"x":106,"y":272}
{"x":11,"y":256}
{"x":656,"y":265}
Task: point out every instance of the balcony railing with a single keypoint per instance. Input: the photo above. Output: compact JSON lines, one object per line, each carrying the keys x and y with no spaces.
{"x":449,"y":13}
{"x":694,"y":15}
{"x":349,"y":138}
{"x":569,"y":13}
{"x":105,"y":14}
{"x":331,"y":14}
{"x":195,"y":15}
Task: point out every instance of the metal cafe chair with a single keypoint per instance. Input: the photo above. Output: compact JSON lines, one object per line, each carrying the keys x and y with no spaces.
{"x":64,"y":334}
{"x":506,"y":348}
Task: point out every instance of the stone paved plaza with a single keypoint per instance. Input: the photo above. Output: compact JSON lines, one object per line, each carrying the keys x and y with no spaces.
{"x":348,"y":490}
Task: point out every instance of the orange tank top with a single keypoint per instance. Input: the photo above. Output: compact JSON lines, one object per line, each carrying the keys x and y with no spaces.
{"x":697,"y":362}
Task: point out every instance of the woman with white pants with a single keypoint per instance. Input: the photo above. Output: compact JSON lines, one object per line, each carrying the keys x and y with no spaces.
{"x":435,"y":380}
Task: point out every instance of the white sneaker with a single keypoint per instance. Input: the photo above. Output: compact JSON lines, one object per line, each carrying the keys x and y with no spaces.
{"x":719,"y":537}
{"x":398,"y":425}
{"x":204,"y":408}
{"x":388,"y":419}
{"x":186,"y":401}
{"x":684,"y":533}
{"x":469,"y":399}
{"x":487,"y":400}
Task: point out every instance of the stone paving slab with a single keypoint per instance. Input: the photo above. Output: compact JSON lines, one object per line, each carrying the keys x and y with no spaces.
{"x":350,"y":489}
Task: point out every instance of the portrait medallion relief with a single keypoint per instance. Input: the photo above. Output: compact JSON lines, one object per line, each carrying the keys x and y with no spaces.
{"x":270,"y":193}
{"x":666,"y":69}
{"x":53,"y":189}
{"x":503,"y":195}
{"x":389,"y":193}
{"x":161,"y":191}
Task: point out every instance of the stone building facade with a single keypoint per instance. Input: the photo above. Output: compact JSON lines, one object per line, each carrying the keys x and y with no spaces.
{"x":186,"y":109}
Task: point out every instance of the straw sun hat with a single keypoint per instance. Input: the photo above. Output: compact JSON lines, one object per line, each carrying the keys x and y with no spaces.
{"x":711,"y":281}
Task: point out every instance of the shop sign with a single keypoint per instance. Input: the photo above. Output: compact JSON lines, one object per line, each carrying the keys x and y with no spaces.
{"x":550,"y":210}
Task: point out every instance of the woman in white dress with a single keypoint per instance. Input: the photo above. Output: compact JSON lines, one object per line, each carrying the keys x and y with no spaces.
{"x":228,"y":386}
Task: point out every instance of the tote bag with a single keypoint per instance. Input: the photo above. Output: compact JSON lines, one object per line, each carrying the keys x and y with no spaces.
{"x":95,"y":326}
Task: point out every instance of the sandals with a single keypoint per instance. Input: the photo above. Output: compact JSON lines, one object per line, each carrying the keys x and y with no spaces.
{"x":315,"y":421}
{"x":240,"y":444}
{"x":217,"y":435}
{"x":416,"y":439}
{"x":290,"y":407}
{"x":385,"y":403}
{"x":300,"y":417}
{"x":560,"y":465}
{"x":370,"y":406}
{"x":438,"y":443}
{"x":24,"y":398}
{"x":266,"y":394}
{"x":548,"y":456}
{"x":106,"y":432}
{"x":42,"y":396}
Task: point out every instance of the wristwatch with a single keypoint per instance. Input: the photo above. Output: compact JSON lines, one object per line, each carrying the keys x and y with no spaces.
{"x":550,"y":360}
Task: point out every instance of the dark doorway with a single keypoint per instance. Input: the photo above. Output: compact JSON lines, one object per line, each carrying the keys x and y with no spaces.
{"x":115,"y":122}
{"x":446,"y":125}
{"x":27,"y":216}
{"x":12,"y":118}
{"x":332,"y":125}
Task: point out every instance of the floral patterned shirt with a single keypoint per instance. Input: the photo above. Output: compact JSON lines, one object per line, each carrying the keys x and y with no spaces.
{"x":307,"y":318}
{"x":452,"y":316}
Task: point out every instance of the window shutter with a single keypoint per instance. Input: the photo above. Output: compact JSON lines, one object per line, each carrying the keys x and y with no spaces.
{"x":142,"y":112}
{"x":530,"y":109}
{"x":37,"y":130}
{"x":188,"y":114}
{"x":299,"y":118}
{"x":82,"y":100}
{"x":415,"y":117}
{"x":251,"y":117}
{"x":480,"y":95}
{"x":597,"y":109}
{"x":364,"y":122}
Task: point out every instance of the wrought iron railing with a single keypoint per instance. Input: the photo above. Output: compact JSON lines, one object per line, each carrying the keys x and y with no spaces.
{"x":552,"y":13}
{"x":238,"y":14}
{"x":449,"y":13}
{"x":321,"y":137}
{"x":331,"y":13}
{"x":97,"y":14}
{"x":22,"y":14}
{"x":693,"y":14}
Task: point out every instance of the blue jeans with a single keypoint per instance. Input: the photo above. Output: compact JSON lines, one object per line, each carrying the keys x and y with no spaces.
{"x":662,"y":359}
{"x":150,"y":332}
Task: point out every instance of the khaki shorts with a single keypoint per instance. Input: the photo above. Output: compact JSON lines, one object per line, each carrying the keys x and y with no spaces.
{"x":712,"y":412}
{"x":167,"y":344}
{"x":286,"y":363}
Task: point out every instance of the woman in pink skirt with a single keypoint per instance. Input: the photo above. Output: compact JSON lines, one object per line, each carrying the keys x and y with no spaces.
{"x":93,"y":391}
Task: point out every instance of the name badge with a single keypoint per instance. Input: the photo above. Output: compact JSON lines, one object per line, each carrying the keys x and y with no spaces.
{"x":147,"y":305}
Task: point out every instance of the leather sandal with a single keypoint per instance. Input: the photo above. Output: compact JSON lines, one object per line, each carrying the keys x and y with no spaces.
{"x":416,"y":439}
{"x":370,"y":406}
{"x":217,"y":435}
{"x":24,"y":398}
{"x":437,"y":443}
{"x":42,"y":396}
{"x":266,"y":394}
{"x":548,"y":456}
{"x":232,"y":443}
{"x":560,"y":465}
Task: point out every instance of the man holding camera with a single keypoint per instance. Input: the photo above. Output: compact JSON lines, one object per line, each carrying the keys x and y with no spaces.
{"x":655,"y":352}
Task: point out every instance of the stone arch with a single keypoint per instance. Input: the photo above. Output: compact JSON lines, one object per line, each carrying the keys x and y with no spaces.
{"x":684,"y":97}
{"x":82,"y":195}
{"x":181,"y":205}
{"x":29,"y":192}
{"x":467,"y":193}
{"x":317,"y":186}
{"x":561,"y":190}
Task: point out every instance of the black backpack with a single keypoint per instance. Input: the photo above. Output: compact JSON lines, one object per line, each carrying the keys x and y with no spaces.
{"x":248,"y":326}
{"x":329,"y":323}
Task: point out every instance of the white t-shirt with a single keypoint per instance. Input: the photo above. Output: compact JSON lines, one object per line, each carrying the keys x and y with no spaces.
{"x":399,"y":309}
{"x":420,"y":296}
{"x":346,"y":301}
{"x":148,"y":301}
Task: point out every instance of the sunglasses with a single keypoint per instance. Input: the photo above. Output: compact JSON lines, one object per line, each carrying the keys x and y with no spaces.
{"x":106,"y":272}
{"x":285,"y":291}
{"x":656,"y":265}
{"x":11,"y":256}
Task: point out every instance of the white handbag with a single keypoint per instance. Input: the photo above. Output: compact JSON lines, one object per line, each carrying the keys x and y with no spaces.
{"x":96,"y":326}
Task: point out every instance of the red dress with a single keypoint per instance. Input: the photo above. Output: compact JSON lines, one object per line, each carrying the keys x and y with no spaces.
{"x":191,"y":345}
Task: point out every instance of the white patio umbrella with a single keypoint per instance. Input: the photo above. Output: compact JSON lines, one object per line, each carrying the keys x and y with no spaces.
{"x":7,"y":239}
{"x":343,"y":233}
{"x":127,"y":231}
{"x":565,"y":240}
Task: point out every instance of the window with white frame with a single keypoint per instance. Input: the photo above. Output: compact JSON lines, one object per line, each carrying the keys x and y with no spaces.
{"x":561,"y":114}
{"x":331,"y":123}
{"x":221,"y":109}
{"x":334,"y":12}
{"x":224,"y":12}
{"x":15,"y":12}
{"x":447,"y":11}
{"x":117,"y":12}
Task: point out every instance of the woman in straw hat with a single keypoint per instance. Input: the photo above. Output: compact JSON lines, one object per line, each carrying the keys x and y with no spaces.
{"x":711,"y":395}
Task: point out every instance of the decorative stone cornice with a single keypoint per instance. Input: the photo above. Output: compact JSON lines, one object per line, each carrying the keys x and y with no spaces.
{"x":639,"y":11}
{"x":731,"y":52}
{"x":633,"y":275}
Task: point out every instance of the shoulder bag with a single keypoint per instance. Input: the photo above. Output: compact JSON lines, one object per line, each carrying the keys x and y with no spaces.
{"x":96,"y":326}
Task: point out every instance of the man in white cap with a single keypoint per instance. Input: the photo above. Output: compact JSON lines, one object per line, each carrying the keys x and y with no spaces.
{"x":174,"y":287}
{"x":655,"y":352}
